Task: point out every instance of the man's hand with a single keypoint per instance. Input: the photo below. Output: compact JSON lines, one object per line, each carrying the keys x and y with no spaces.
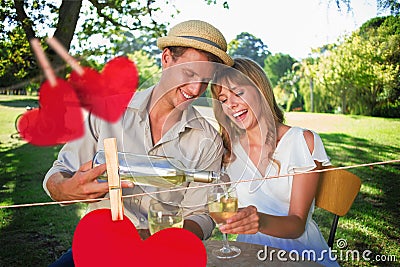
{"x":82,"y":185}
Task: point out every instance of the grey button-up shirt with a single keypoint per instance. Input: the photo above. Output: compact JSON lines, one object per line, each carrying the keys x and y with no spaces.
{"x":193,"y":141}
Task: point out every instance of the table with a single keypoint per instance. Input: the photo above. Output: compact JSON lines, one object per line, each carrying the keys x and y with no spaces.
{"x":252,"y":256}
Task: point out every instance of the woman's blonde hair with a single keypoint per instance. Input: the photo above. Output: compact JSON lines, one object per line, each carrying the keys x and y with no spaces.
{"x":245,"y":72}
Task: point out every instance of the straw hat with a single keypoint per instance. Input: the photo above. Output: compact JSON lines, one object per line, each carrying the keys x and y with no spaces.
{"x":197,"y":34}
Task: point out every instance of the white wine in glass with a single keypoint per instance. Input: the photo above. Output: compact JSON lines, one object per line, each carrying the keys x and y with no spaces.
{"x":223,"y":204}
{"x":163,"y":215}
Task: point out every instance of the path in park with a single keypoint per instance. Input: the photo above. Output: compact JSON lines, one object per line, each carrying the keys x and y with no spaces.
{"x":305,"y":120}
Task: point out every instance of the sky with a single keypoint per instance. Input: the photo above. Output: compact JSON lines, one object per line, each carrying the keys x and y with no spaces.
{"x":287,"y":26}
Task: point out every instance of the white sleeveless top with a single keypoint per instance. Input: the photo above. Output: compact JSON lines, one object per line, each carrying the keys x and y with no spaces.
{"x":272,"y":196}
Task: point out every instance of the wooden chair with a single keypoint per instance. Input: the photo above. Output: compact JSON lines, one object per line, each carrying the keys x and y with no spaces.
{"x":336,"y":192}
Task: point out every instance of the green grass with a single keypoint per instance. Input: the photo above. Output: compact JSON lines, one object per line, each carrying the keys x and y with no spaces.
{"x":373,"y":222}
{"x":33,"y":236}
{"x":36,"y":236}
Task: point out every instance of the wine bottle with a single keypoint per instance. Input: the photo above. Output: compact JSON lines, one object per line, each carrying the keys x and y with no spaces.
{"x":158,"y":171}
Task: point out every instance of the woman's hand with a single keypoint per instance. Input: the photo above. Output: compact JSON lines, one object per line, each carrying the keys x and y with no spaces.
{"x":245,"y":221}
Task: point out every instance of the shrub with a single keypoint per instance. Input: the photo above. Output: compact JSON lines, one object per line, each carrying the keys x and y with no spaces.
{"x":387,"y":110}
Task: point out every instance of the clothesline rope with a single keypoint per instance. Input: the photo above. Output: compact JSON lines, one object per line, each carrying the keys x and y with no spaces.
{"x":197,"y":187}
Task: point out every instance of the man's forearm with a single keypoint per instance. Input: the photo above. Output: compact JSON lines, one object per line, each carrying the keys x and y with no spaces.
{"x":194,"y":228}
{"x":54,"y":185}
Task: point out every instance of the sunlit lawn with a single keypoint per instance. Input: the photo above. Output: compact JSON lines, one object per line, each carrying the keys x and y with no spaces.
{"x":36,"y":236}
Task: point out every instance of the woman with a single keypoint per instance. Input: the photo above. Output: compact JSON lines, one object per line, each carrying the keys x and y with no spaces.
{"x":275,"y":212}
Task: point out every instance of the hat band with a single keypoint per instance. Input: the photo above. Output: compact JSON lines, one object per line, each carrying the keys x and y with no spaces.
{"x":202,"y":40}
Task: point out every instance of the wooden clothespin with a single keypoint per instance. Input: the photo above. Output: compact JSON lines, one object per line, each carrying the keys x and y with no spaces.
{"x":114,"y":181}
{"x":43,"y":62}
{"x":63,"y":53}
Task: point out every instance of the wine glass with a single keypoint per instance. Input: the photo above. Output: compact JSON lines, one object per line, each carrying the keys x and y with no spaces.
{"x":163,"y":215}
{"x":223,"y":204}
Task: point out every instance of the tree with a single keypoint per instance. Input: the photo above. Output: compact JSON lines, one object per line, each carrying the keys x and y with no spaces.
{"x":95,"y":18}
{"x":107,"y":20}
{"x":145,"y":42}
{"x":15,"y":14}
{"x":16,"y":61}
{"x":247,"y":45}
{"x":307,"y":72}
{"x":287,"y":91}
{"x":393,"y":6}
{"x":362,"y":71}
{"x":277,"y":65}
{"x":147,"y":67}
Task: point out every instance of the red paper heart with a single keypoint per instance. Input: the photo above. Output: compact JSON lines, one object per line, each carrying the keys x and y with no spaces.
{"x":174,"y":247}
{"x":99,"y":241}
{"x":108,"y":93}
{"x":58,"y":119}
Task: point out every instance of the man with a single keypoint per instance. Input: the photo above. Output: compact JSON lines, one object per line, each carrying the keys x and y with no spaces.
{"x":158,"y":121}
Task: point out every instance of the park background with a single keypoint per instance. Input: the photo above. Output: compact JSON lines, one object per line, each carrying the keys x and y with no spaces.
{"x":346,"y":89}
